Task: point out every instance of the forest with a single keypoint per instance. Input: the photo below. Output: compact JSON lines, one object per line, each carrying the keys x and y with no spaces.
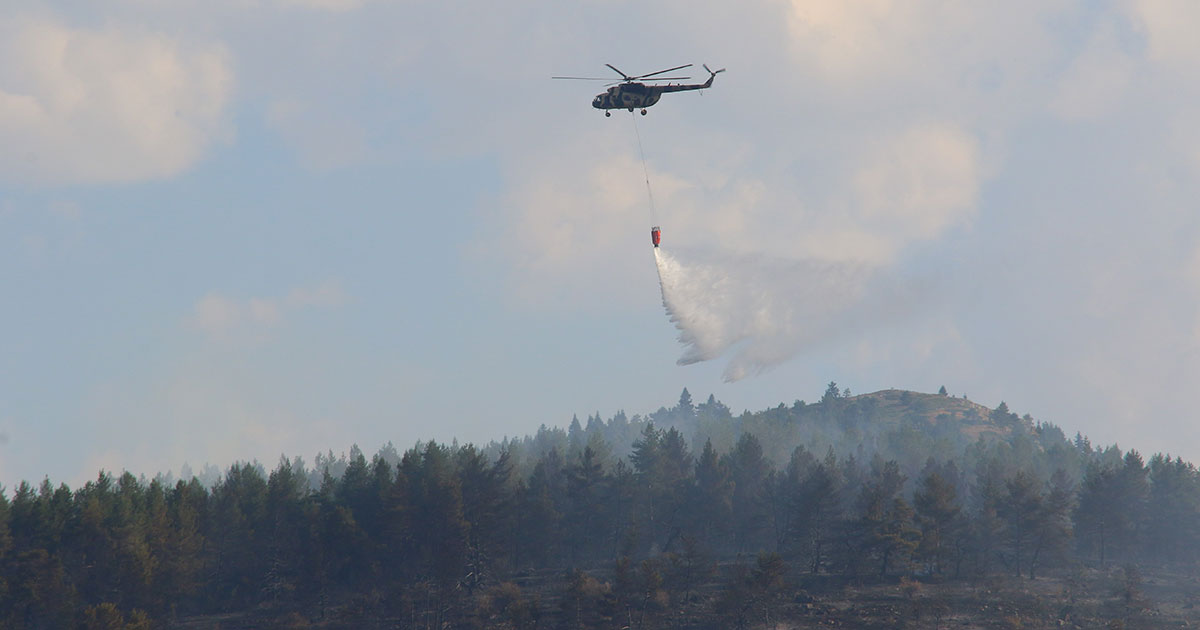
{"x":686,"y":517}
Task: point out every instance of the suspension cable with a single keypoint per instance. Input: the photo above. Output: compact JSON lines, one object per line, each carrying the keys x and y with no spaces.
{"x":645,"y":171}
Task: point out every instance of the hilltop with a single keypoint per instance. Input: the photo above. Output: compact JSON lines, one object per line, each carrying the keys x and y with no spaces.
{"x":906,"y":426}
{"x":894,"y":404}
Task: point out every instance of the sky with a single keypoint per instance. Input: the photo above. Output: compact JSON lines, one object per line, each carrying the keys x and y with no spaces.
{"x":235,"y":229}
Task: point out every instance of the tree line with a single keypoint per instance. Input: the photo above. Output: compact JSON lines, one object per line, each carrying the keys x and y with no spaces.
{"x":663,"y":528}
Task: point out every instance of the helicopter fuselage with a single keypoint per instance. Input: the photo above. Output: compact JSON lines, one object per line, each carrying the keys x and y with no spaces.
{"x":632,"y":95}
{"x":628,"y":96}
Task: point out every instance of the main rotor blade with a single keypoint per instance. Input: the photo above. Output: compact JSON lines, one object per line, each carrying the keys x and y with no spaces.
{"x":688,"y":65}
{"x":669,"y":79}
{"x":614,"y":68}
{"x":585,"y":78}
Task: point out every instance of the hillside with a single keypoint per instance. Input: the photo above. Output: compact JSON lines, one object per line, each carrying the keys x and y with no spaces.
{"x":886,"y":509}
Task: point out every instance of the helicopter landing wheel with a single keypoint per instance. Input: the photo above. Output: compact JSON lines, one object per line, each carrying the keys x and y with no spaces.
{"x":630,"y":110}
{"x":643,"y":112}
{"x":607,"y":114}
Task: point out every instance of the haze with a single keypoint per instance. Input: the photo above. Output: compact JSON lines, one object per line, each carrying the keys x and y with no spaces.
{"x":233,"y":229}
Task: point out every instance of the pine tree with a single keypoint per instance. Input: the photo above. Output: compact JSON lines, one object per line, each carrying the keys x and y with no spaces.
{"x":1023,"y":511}
{"x":712,"y":507}
{"x":1053,"y":530}
{"x":586,"y":519}
{"x":542,"y":503}
{"x":1173,"y":535}
{"x":355,"y":491}
{"x":576,"y":438}
{"x":986,"y":524}
{"x":441,"y":532}
{"x":1001,"y":416}
{"x":884,"y":527}
{"x":238,"y":509}
{"x":622,"y":499}
{"x":898,"y":538}
{"x":399,"y":548}
{"x":778,"y":492}
{"x":5,"y":550}
{"x":647,"y":460}
{"x":685,"y":407}
{"x":486,"y":503}
{"x":1096,"y":512}
{"x":285,"y":517}
{"x":832,"y":394}
{"x":1134,"y":484}
{"x":158,"y":534}
{"x":748,"y":471}
{"x":674,"y":487}
{"x":184,"y":570}
{"x":1112,"y":499}
{"x":818,"y":503}
{"x":647,"y":453}
{"x":937,"y":510}
{"x":96,"y":543}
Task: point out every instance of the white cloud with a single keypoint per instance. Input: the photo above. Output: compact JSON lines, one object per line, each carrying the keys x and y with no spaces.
{"x":860,"y":38}
{"x":926,"y":45}
{"x":105,"y":105}
{"x":221,"y":317}
{"x":577,"y":220}
{"x":1170,"y":27}
{"x":580,"y":210}
{"x":1097,"y":80}
{"x":264,"y":312}
{"x":215,"y":314}
{"x":917,"y":183}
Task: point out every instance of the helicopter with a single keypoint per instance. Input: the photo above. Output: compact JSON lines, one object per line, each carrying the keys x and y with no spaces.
{"x":630,"y":93}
